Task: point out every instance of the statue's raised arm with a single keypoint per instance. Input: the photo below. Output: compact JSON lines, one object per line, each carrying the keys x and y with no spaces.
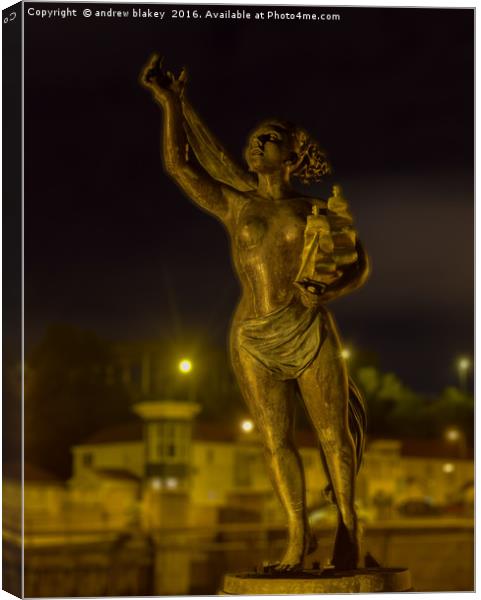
{"x":200,"y":177}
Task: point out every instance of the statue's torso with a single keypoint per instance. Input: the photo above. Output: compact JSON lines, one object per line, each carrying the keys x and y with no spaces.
{"x":267,"y":240}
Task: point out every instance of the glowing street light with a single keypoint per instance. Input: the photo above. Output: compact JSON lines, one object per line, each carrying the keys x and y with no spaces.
{"x":185,"y":366}
{"x":463,"y":365}
{"x":346,"y":353}
{"x":453,"y":435}
{"x":247,"y":425}
{"x":456,"y":436}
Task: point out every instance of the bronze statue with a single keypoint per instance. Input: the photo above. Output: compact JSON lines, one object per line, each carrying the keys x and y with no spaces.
{"x":293,"y":254}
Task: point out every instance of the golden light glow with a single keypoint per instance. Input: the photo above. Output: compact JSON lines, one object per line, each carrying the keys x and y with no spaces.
{"x":247,"y":425}
{"x":453,"y":435}
{"x":185,"y":366}
{"x":464,"y":363}
{"x":346,"y":353}
{"x":448,"y":467}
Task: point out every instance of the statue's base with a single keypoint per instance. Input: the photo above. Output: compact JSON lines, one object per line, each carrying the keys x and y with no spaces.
{"x":319,"y":582}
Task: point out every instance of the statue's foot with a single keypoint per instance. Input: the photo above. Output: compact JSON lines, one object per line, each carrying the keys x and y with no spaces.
{"x":277,"y":567}
{"x":285,"y":567}
{"x":293,"y":559}
{"x":291,"y":562}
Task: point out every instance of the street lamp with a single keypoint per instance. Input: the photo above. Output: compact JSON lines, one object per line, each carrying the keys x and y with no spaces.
{"x":463,"y":366}
{"x":453,"y":435}
{"x":247,"y":425}
{"x":185,"y":367}
{"x":456,"y":436}
{"x":346,"y":353}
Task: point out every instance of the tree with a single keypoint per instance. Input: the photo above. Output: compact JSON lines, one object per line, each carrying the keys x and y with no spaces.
{"x":396,"y":410}
{"x":454,"y":408}
{"x":68,"y":395}
{"x":393,"y":408}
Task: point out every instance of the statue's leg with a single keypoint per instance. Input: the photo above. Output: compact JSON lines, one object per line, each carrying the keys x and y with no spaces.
{"x":271,"y":403}
{"x":324,"y":389}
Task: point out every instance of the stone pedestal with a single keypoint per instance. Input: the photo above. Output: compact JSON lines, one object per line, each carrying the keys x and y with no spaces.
{"x":364,"y":581}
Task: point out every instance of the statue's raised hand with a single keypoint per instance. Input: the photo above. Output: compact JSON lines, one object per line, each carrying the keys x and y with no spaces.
{"x":162,"y":83}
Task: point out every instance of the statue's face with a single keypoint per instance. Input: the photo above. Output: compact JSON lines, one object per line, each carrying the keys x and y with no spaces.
{"x":269,"y":149}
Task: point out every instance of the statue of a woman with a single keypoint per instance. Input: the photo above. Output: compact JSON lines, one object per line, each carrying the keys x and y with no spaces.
{"x":284,"y":342}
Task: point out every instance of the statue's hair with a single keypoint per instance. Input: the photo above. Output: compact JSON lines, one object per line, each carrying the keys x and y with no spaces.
{"x":313,"y":162}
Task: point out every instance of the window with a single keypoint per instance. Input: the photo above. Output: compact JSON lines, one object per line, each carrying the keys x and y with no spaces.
{"x":170,"y":441}
{"x":87,"y":459}
{"x":243,"y":469}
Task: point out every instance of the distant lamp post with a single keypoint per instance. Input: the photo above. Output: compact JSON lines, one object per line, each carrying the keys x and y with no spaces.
{"x":346,"y":353}
{"x":463,"y":366}
{"x":454,"y":435}
{"x":247,"y":426}
{"x":185,"y":366}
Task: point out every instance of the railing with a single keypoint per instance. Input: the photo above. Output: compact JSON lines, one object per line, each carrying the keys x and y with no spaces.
{"x":439,"y":553}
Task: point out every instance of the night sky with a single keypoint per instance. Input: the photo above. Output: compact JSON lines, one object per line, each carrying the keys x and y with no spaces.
{"x":111,"y":244}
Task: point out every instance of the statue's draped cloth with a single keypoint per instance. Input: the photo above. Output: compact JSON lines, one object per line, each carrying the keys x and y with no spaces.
{"x":285,"y":341}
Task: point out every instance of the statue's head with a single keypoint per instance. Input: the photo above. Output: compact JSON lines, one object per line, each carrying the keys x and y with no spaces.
{"x":276,"y":145}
